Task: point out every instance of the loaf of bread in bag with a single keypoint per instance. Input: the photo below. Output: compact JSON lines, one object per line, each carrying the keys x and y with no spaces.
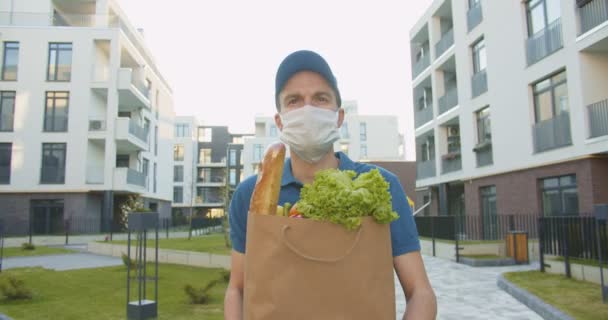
{"x":265,"y":197}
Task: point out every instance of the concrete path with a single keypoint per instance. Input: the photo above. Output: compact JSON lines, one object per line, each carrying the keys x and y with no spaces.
{"x":62,"y":261}
{"x":465,"y":292}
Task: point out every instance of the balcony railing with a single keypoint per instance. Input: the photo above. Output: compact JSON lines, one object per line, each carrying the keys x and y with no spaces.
{"x":552,"y":133}
{"x":36,"y":19}
{"x":135,"y":177}
{"x":451,"y":163}
{"x":138,"y":131}
{"x":420,"y":65}
{"x":483,"y":153}
{"x":592,"y":14}
{"x":598,"y":119}
{"x":423,"y":116}
{"x":425,"y":169}
{"x":52,"y":175}
{"x":474,"y":16}
{"x":545,"y":42}
{"x":449,"y":100}
{"x":479,"y":83}
{"x":447,"y":40}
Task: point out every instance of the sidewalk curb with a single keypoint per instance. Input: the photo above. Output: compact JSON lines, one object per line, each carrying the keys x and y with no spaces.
{"x":543,"y":309}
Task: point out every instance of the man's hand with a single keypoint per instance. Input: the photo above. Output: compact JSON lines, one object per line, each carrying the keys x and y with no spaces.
{"x":233,"y":301}
{"x":420,"y":298}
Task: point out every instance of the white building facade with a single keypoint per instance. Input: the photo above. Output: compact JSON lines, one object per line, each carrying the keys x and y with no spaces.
{"x":511,"y":107}
{"x":87,"y":118}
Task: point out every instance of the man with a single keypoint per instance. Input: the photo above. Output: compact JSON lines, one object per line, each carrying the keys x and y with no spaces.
{"x":309,"y":115}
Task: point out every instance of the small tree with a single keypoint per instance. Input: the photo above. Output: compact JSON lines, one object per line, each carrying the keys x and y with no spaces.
{"x":133,"y":204}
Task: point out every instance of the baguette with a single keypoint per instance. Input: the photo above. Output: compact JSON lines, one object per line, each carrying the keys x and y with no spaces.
{"x":265,"y":197}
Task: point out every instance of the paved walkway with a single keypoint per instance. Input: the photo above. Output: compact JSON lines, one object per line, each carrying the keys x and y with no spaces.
{"x":62,"y":261}
{"x":464,"y":292}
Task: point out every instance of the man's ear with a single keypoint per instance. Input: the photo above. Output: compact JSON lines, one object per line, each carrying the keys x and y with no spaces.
{"x":277,"y":121}
{"x":340,"y":117}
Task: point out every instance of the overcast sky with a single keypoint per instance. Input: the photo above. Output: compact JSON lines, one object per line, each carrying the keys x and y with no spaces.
{"x":220,"y":57}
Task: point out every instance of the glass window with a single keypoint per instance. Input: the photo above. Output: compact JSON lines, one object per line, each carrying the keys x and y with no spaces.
{"x":10,"y":62}
{"x":453,"y":138}
{"x":427,"y":149}
{"x":232,"y":156}
{"x":344,"y":148}
{"x":204,"y":155}
{"x":204,"y":134}
{"x":479,"y":56}
{"x":273,"y":130}
{"x":550,"y":97}
{"x":559,"y":196}
{"x":53,"y":163}
{"x":56,"y":111}
{"x":60,"y":62}
{"x":484,"y":132}
{"x":541,"y":14}
{"x":145,"y":169}
{"x":178,"y":174}
{"x":363,"y":131}
{"x":178,"y":194}
{"x":489,"y":212}
{"x":363,"y":151}
{"x":232,"y":177}
{"x":122,"y":161}
{"x":258,"y":150}
{"x":155,"y":171}
{"x":7,"y":110}
{"x":182,"y":130}
{"x":156,"y":140}
{"x":178,"y":152}
{"x":344,"y":131}
{"x":474,"y":3}
{"x":5,"y":162}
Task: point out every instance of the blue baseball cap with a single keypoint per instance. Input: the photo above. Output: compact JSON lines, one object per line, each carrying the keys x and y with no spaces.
{"x":304,"y":60}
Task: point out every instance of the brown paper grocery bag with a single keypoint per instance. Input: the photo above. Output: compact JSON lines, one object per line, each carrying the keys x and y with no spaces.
{"x":305,"y":269}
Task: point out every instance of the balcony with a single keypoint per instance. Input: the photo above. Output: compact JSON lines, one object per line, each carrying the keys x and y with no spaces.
{"x":451,"y":162}
{"x":544,"y":42}
{"x":425,"y":169}
{"x":592,"y":14}
{"x":552,"y":133}
{"x":447,"y":40}
{"x":483,"y":153}
{"x":130,"y":136}
{"x":129,"y":180}
{"x":420,"y":65}
{"x":449,"y":100}
{"x":210,"y":202}
{"x":132,"y":93}
{"x":598,"y":119}
{"x":479,"y":83}
{"x":33,"y":19}
{"x":214,"y":181}
{"x":213,"y":164}
{"x":423,"y":116}
{"x":474,"y":17}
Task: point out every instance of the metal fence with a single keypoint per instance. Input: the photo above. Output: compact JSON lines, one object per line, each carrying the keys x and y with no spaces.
{"x":421,"y":65}
{"x":598,"y":119}
{"x":449,"y":100}
{"x":544,"y":42}
{"x":423,"y":116}
{"x":592,"y":14}
{"x":552,"y":133}
{"x":479,"y":83}
{"x":574,"y":237}
{"x":425,"y":169}
{"x":474,"y":16}
{"x":446,"y":41}
{"x":476,"y":227}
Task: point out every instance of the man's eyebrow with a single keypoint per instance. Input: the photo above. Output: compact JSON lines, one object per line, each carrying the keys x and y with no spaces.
{"x":291,"y":95}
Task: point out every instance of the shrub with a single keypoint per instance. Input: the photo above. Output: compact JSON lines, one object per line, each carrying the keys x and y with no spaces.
{"x":128,"y":262}
{"x":199,"y":295}
{"x":28,"y":246}
{"x":15,"y":289}
{"x":225,"y":275}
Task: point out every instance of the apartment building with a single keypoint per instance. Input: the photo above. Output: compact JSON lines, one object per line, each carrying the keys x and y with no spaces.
{"x":362,"y":137}
{"x":185,"y":151}
{"x":87,"y":117}
{"x":511,"y":107}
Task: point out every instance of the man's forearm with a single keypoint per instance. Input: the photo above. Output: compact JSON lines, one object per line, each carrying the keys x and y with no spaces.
{"x":233,"y":304}
{"x":421,"y":306}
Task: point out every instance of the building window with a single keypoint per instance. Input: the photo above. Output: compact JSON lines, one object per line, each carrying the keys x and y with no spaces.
{"x":155,"y":171}
{"x":182,"y":130}
{"x":273,"y":130}
{"x":178,"y":174}
{"x":232,"y":157}
{"x":559,"y":196}
{"x":427,"y":149}
{"x":488,"y":212}
{"x":484,"y":132}
{"x":204,"y":155}
{"x":425,"y":100}
{"x":5,"y":162}
{"x":453,"y":138}
{"x":363,"y":151}
{"x":363,"y":131}
{"x":238,"y":140}
{"x":344,"y":148}
{"x":233,"y":177}
{"x":7,"y":110}
{"x":11,"y":61}
{"x":344,"y":131}
{"x":156,"y":140}
{"x":204,"y":175}
{"x":541,"y":14}
{"x":122,"y":161}
{"x":145,"y":169}
{"x":474,"y":3}
{"x":550,"y":97}
{"x":60,"y":62}
{"x":56,"y":111}
{"x":53,"y":163}
{"x":257,"y":152}
{"x":178,"y":152}
{"x":178,"y":194}
{"x":47,"y":216}
{"x":205,"y":134}
{"x":479,"y":56}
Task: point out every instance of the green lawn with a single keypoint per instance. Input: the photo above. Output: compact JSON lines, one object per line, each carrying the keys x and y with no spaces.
{"x":586,"y":262}
{"x":209,"y":243}
{"x":39,"y":251}
{"x":101,"y":294}
{"x":581,"y":300}
{"x":463,"y":242}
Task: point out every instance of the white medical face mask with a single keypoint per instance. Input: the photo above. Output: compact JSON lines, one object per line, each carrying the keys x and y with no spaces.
{"x":310,"y":131}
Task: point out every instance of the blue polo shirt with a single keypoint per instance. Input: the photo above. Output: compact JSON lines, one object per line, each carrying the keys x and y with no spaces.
{"x":404,"y":235}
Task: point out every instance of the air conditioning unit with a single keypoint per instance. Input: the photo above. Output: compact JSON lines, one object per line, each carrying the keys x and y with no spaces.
{"x":453,"y":131}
